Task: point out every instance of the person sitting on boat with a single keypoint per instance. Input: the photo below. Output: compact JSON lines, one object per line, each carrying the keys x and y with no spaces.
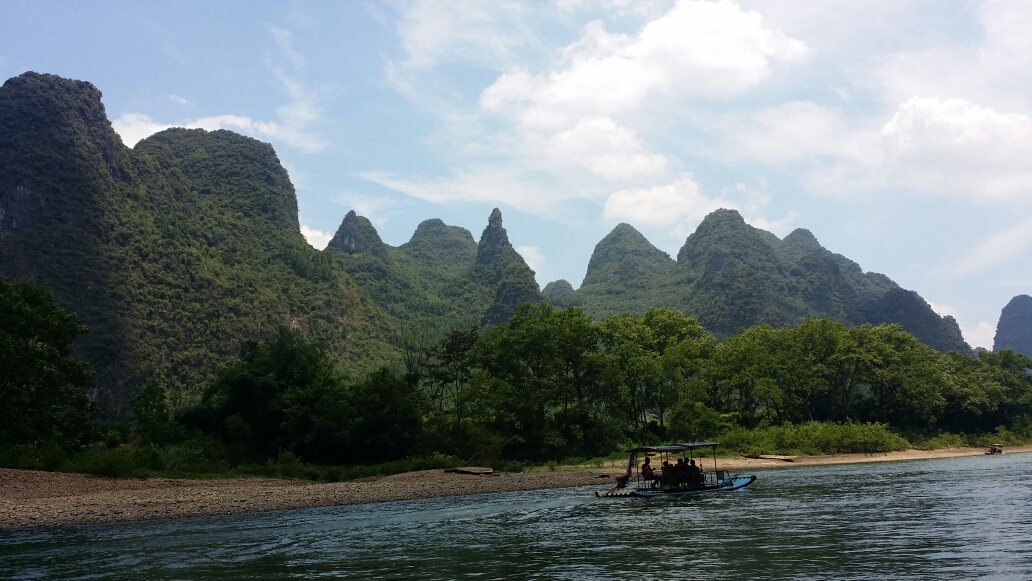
{"x":646,"y":470}
{"x":694,"y":474}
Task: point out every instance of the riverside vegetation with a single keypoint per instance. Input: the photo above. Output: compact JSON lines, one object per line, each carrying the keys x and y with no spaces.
{"x":219,"y":340}
{"x":546,"y":385}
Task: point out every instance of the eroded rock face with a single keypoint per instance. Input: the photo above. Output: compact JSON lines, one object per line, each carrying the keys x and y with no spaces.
{"x":1014,"y":331}
{"x":499,"y":266}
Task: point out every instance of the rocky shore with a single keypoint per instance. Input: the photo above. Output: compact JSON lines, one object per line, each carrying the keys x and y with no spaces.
{"x":32,"y":499}
{"x":29,"y":498}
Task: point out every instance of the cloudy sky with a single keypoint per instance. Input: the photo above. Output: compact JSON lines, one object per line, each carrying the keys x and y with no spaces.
{"x":898,"y":133}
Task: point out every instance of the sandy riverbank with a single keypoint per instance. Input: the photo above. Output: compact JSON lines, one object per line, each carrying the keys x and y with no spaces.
{"x":30,"y":498}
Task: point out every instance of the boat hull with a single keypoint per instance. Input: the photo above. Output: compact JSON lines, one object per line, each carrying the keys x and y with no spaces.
{"x":736,"y":483}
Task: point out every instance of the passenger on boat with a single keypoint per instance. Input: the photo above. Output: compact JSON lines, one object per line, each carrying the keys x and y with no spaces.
{"x":646,"y":471}
{"x":695,"y":474}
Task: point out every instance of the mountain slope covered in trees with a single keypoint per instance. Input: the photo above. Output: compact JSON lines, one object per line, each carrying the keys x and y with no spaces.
{"x":170,"y":253}
{"x":731,"y":276}
{"x":1014,"y":330}
{"x":440,"y":279}
{"x":175,"y":252}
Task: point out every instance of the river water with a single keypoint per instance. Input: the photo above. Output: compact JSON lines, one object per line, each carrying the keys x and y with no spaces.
{"x":959,"y":518}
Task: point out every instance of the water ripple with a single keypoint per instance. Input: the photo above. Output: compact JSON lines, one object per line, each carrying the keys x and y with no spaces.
{"x":961,"y":518}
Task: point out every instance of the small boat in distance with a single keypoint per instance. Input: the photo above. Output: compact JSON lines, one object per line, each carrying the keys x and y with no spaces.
{"x":682,"y":477}
{"x":994,"y":449}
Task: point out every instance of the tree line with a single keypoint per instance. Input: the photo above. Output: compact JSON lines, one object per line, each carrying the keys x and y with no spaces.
{"x":548,"y":384}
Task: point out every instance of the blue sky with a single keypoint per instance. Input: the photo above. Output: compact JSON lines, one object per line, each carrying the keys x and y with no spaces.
{"x":899,"y":133}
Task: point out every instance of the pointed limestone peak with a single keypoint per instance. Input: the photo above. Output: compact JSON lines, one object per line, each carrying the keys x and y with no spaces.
{"x":493,"y":240}
{"x":615,"y":254}
{"x":1014,"y":331}
{"x":798,"y":244}
{"x":357,"y":235}
{"x":724,"y":233}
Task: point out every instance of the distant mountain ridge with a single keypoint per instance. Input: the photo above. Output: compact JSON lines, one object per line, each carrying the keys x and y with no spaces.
{"x":175,"y":251}
{"x":440,"y":279}
{"x":731,"y":275}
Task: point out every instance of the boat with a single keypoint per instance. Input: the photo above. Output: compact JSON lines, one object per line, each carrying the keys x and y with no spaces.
{"x":994,"y":449}
{"x":683,"y":477}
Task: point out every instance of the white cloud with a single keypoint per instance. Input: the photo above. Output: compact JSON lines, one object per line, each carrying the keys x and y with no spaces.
{"x":132,"y":127}
{"x":780,"y":227}
{"x":954,"y":145}
{"x":481,"y":185}
{"x":981,"y":335}
{"x":483,"y":32}
{"x":571,"y":128}
{"x":178,"y":99}
{"x":996,"y":71}
{"x":294,"y":128}
{"x":316,"y":238}
{"x":797,"y":131}
{"x":607,"y":149}
{"x":942,"y":309}
{"x":378,"y":209}
{"x":533,"y":257}
{"x":707,"y":49}
{"x":285,"y":40}
{"x":928,"y":146}
{"x":661,"y":206}
{"x":1001,"y":248}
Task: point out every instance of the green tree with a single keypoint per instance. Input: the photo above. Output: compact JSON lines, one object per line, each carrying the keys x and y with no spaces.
{"x":42,"y":389}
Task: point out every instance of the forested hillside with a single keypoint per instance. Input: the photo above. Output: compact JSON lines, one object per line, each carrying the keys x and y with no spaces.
{"x":216,"y":336}
{"x":732,"y":276}
{"x":440,"y":280}
{"x":175,"y":252}
{"x":1014,"y":330}
{"x":170,"y":254}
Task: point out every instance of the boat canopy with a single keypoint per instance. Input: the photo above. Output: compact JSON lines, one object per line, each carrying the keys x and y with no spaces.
{"x":675,"y":447}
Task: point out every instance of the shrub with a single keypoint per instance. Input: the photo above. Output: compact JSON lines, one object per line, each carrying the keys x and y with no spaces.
{"x":814,"y":438}
{"x":116,"y":463}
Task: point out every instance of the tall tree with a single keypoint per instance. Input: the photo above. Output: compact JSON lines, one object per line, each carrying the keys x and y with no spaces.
{"x":42,"y":390}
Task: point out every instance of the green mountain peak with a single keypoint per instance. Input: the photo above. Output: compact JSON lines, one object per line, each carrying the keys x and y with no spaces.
{"x":557,"y":290}
{"x":357,"y":235}
{"x":436,"y":242}
{"x":625,"y":258}
{"x":498,"y":265}
{"x":797,"y":244}
{"x":494,"y":239}
{"x":1014,"y":330}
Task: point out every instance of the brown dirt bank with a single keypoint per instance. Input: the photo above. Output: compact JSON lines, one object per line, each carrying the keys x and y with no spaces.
{"x":735,"y":464}
{"x":29,"y":498}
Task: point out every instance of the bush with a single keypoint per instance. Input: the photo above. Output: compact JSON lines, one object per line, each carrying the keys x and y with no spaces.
{"x":116,"y":463}
{"x":37,"y":456}
{"x":814,"y":438}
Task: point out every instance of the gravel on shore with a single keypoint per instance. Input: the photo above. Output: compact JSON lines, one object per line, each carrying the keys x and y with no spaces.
{"x":31,"y":498}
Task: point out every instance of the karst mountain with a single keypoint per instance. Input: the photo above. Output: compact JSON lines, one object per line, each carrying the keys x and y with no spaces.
{"x":175,"y":251}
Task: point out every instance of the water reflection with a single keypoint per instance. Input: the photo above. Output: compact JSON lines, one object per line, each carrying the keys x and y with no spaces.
{"x":959,"y":518}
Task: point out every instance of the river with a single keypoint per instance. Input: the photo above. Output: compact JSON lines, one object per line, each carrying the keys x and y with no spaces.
{"x":958,"y":518}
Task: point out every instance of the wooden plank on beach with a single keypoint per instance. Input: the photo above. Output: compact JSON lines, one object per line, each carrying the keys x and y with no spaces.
{"x":473,"y":470}
{"x":776,"y":457}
